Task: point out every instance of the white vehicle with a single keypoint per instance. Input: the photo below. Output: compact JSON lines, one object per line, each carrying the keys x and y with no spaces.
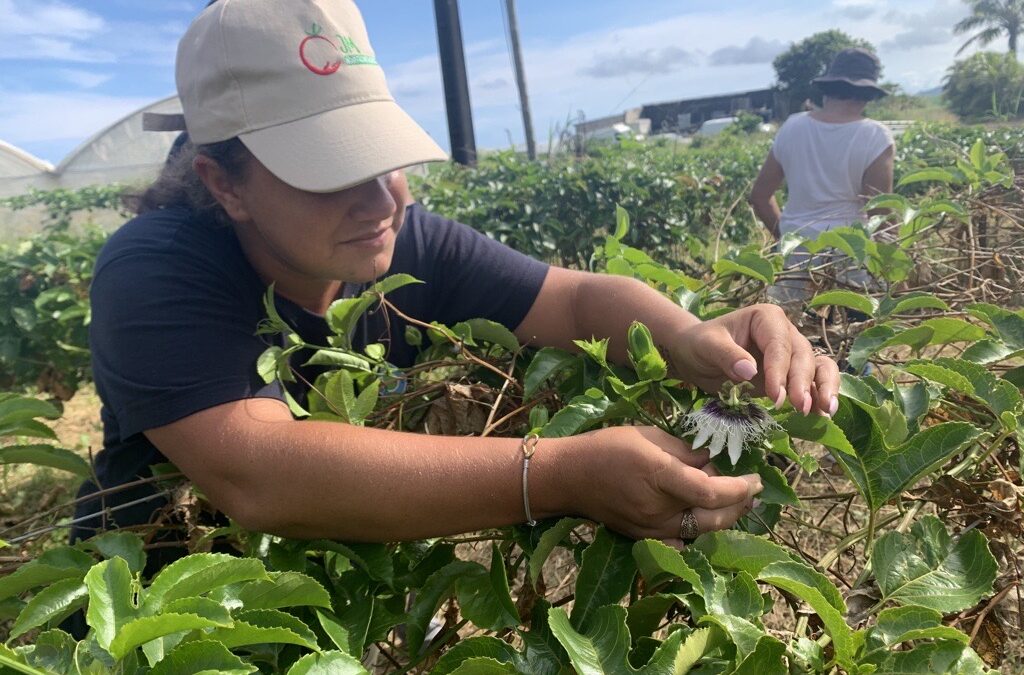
{"x":715,"y":126}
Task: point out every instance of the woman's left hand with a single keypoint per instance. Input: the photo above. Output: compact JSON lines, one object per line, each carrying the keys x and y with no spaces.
{"x":760,"y":345}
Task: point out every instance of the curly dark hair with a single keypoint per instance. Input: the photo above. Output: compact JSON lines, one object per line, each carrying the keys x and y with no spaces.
{"x":179,"y":185}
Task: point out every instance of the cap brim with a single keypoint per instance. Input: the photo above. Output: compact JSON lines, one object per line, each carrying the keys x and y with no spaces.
{"x":343,"y":147}
{"x":862,"y":84}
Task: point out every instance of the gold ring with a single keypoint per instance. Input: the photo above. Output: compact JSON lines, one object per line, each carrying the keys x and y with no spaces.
{"x":688,"y":528}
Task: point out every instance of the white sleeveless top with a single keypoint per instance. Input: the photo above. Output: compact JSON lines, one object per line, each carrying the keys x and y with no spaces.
{"x":824,"y":164}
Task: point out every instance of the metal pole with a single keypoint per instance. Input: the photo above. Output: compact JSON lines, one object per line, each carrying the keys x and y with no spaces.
{"x":517,"y":60}
{"x":456,"y":85}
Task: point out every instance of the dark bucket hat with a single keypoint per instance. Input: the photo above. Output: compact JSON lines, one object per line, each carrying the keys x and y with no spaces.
{"x":857,"y":67}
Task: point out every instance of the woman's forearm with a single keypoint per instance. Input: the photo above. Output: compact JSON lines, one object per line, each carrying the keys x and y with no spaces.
{"x":315,"y":479}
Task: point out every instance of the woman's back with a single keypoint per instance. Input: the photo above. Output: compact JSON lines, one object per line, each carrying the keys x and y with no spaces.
{"x":824,"y":165}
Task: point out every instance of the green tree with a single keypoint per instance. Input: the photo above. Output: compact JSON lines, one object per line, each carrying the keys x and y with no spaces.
{"x":985,"y":85}
{"x":808,"y":59}
{"x":992,"y":19}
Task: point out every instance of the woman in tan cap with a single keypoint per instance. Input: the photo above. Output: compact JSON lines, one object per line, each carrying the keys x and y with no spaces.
{"x":293,"y":178}
{"x":833,"y":159}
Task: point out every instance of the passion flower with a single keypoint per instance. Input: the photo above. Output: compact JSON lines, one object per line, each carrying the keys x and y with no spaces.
{"x":734,"y":421}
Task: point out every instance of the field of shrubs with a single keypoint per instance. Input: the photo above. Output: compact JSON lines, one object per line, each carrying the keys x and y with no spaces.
{"x":888,"y":539}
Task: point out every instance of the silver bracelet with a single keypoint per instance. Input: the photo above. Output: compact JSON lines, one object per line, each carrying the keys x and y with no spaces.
{"x":529,"y":446}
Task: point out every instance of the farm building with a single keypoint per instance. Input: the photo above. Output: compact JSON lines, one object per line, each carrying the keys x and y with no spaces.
{"x":689,"y":114}
{"x":20,"y":171}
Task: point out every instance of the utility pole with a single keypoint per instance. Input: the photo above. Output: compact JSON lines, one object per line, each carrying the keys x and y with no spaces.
{"x":456,"y":85}
{"x":517,"y":61}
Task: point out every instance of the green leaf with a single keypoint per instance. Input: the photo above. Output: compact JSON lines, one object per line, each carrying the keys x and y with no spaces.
{"x":202,"y":656}
{"x":137,"y":632}
{"x":858,"y":301}
{"x":481,"y":665}
{"x":337,"y":632}
{"x":338,"y":358}
{"x":552,"y":537}
{"x":1015,"y":377}
{"x":10,"y":660}
{"x":111,"y":599}
{"x":429,"y":598}
{"x":582,"y":413}
{"x":473,"y":648}
{"x":621,"y":222}
{"x":743,"y":634}
{"x":931,"y":174}
{"x":903,"y":624}
{"x":602,"y":648}
{"x":374,"y":559}
{"x":266,"y":364}
{"x":971,"y":379}
{"x":547,"y":363}
{"x":197,"y":574}
{"x":932,"y":658}
{"x":119,"y":544}
{"x":659,"y":563}
{"x":265,"y":626}
{"x":52,"y":651}
{"x":881,"y":472}
{"x":817,"y":429}
{"x":595,"y":349}
{"x":646,"y":615}
{"x":485,"y":598}
{"x":766,"y":659}
{"x":910,"y":302}
{"x":867,"y":343}
{"x":51,"y":605}
{"x":327,"y":663}
{"x":46,"y":455}
{"x":939,"y":331}
{"x":606,"y":575}
{"x":746,"y":264}
{"x":493,"y":333}
{"x":392,"y":283}
{"x":927,"y":568}
{"x":287,"y":589}
{"x":805,"y":583}
{"x":34,"y":574}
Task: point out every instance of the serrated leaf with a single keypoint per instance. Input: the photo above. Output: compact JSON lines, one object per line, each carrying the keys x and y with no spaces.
{"x":52,"y":604}
{"x":748,"y":265}
{"x":910,"y":302}
{"x":602,"y":648}
{"x":971,"y":379}
{"x":818,"y":429}
{"x":137,"y":632}
{"x":484,"y":597}
{"x":804,"y":583}
{"x":287,"y":589}
{"x":437,"y":588}
{"x":606,"y":575}
{"x":197,"y":574}
{"x":265,"y":626}
{"x":374,"y":559}
{"x":902,"y":624}
{"x":932,"y":658}
{"x":548,"y":362}
{"x":202,"y":656}
{"x":266,"y":364}
{"x":119,"y":544}
{"x":493,"y":332}
{"x":34,"y":574}
{"x":867,"y":343}
{"x":46,"y":455}
{"x":927,"y":568}
{"x":930,"y":174}
{"x":881,"y":472}
{"x":858,"y":301}
{"x":52,"y":651}
{"x":582,"y":412}
{"x":111,"y":588}
{"x":939,"y":331}
{"x":766,"y":659}
{"x":743,"y":634}
{"x":327,"y":663}
{"x":10,"y":660}
{"x":476,"y":647}
{"x":659,"y":562}
{"x":551,"y":538}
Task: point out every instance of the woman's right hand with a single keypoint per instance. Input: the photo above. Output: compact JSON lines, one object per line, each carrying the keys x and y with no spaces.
{"x":639,"y":481}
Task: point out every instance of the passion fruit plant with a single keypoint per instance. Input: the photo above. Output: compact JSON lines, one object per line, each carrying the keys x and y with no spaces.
{"x":899,"y":554}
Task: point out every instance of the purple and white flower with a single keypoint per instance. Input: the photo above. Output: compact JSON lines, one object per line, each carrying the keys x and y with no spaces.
{"x":734,"y":423}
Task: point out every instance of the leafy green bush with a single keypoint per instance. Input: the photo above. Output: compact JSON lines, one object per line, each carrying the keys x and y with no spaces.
{"x":986,"y":85}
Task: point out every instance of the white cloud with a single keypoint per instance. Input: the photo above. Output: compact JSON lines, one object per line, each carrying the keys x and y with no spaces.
{"x":757,"y":50}
{"x":25,"y":18}
{"x":37,"y":117}
{"x":85,"y":79}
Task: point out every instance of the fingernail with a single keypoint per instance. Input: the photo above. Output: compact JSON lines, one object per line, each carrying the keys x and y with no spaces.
{"x":833,"y":406}
{"x":745,"y":370}
{"x":780,"y":400}
{"x":806,"y":406}
{"x":757,"y":503}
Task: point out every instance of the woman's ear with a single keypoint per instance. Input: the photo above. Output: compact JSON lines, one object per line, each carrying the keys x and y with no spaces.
{"x":221,"y":187}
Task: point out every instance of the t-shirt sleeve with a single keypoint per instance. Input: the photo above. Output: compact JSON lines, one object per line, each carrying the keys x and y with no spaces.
{"x":169,"y":338}
{"x":780,"y":144}
{"x":474,"y":276}
{"x":882,"y":139}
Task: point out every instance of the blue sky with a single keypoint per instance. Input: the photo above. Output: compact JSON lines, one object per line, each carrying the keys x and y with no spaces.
{"x":70,"y":67}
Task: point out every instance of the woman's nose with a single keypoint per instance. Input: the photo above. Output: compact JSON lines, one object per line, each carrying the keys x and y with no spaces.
{"x":372,"y":201}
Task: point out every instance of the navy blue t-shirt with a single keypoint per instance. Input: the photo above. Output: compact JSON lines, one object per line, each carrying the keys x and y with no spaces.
{"x":176,"y":304}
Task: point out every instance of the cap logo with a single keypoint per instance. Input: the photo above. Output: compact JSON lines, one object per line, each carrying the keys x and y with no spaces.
{"x":322,"y":56}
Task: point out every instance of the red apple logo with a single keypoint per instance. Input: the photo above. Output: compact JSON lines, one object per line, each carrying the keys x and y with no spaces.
{"x":318,"y":53}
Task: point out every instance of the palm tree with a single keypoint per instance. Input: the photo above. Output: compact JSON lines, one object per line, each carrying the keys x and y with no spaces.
{"x":994,"y":18}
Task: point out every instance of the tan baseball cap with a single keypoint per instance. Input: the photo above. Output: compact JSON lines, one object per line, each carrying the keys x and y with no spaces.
{"x":298,"y":83}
